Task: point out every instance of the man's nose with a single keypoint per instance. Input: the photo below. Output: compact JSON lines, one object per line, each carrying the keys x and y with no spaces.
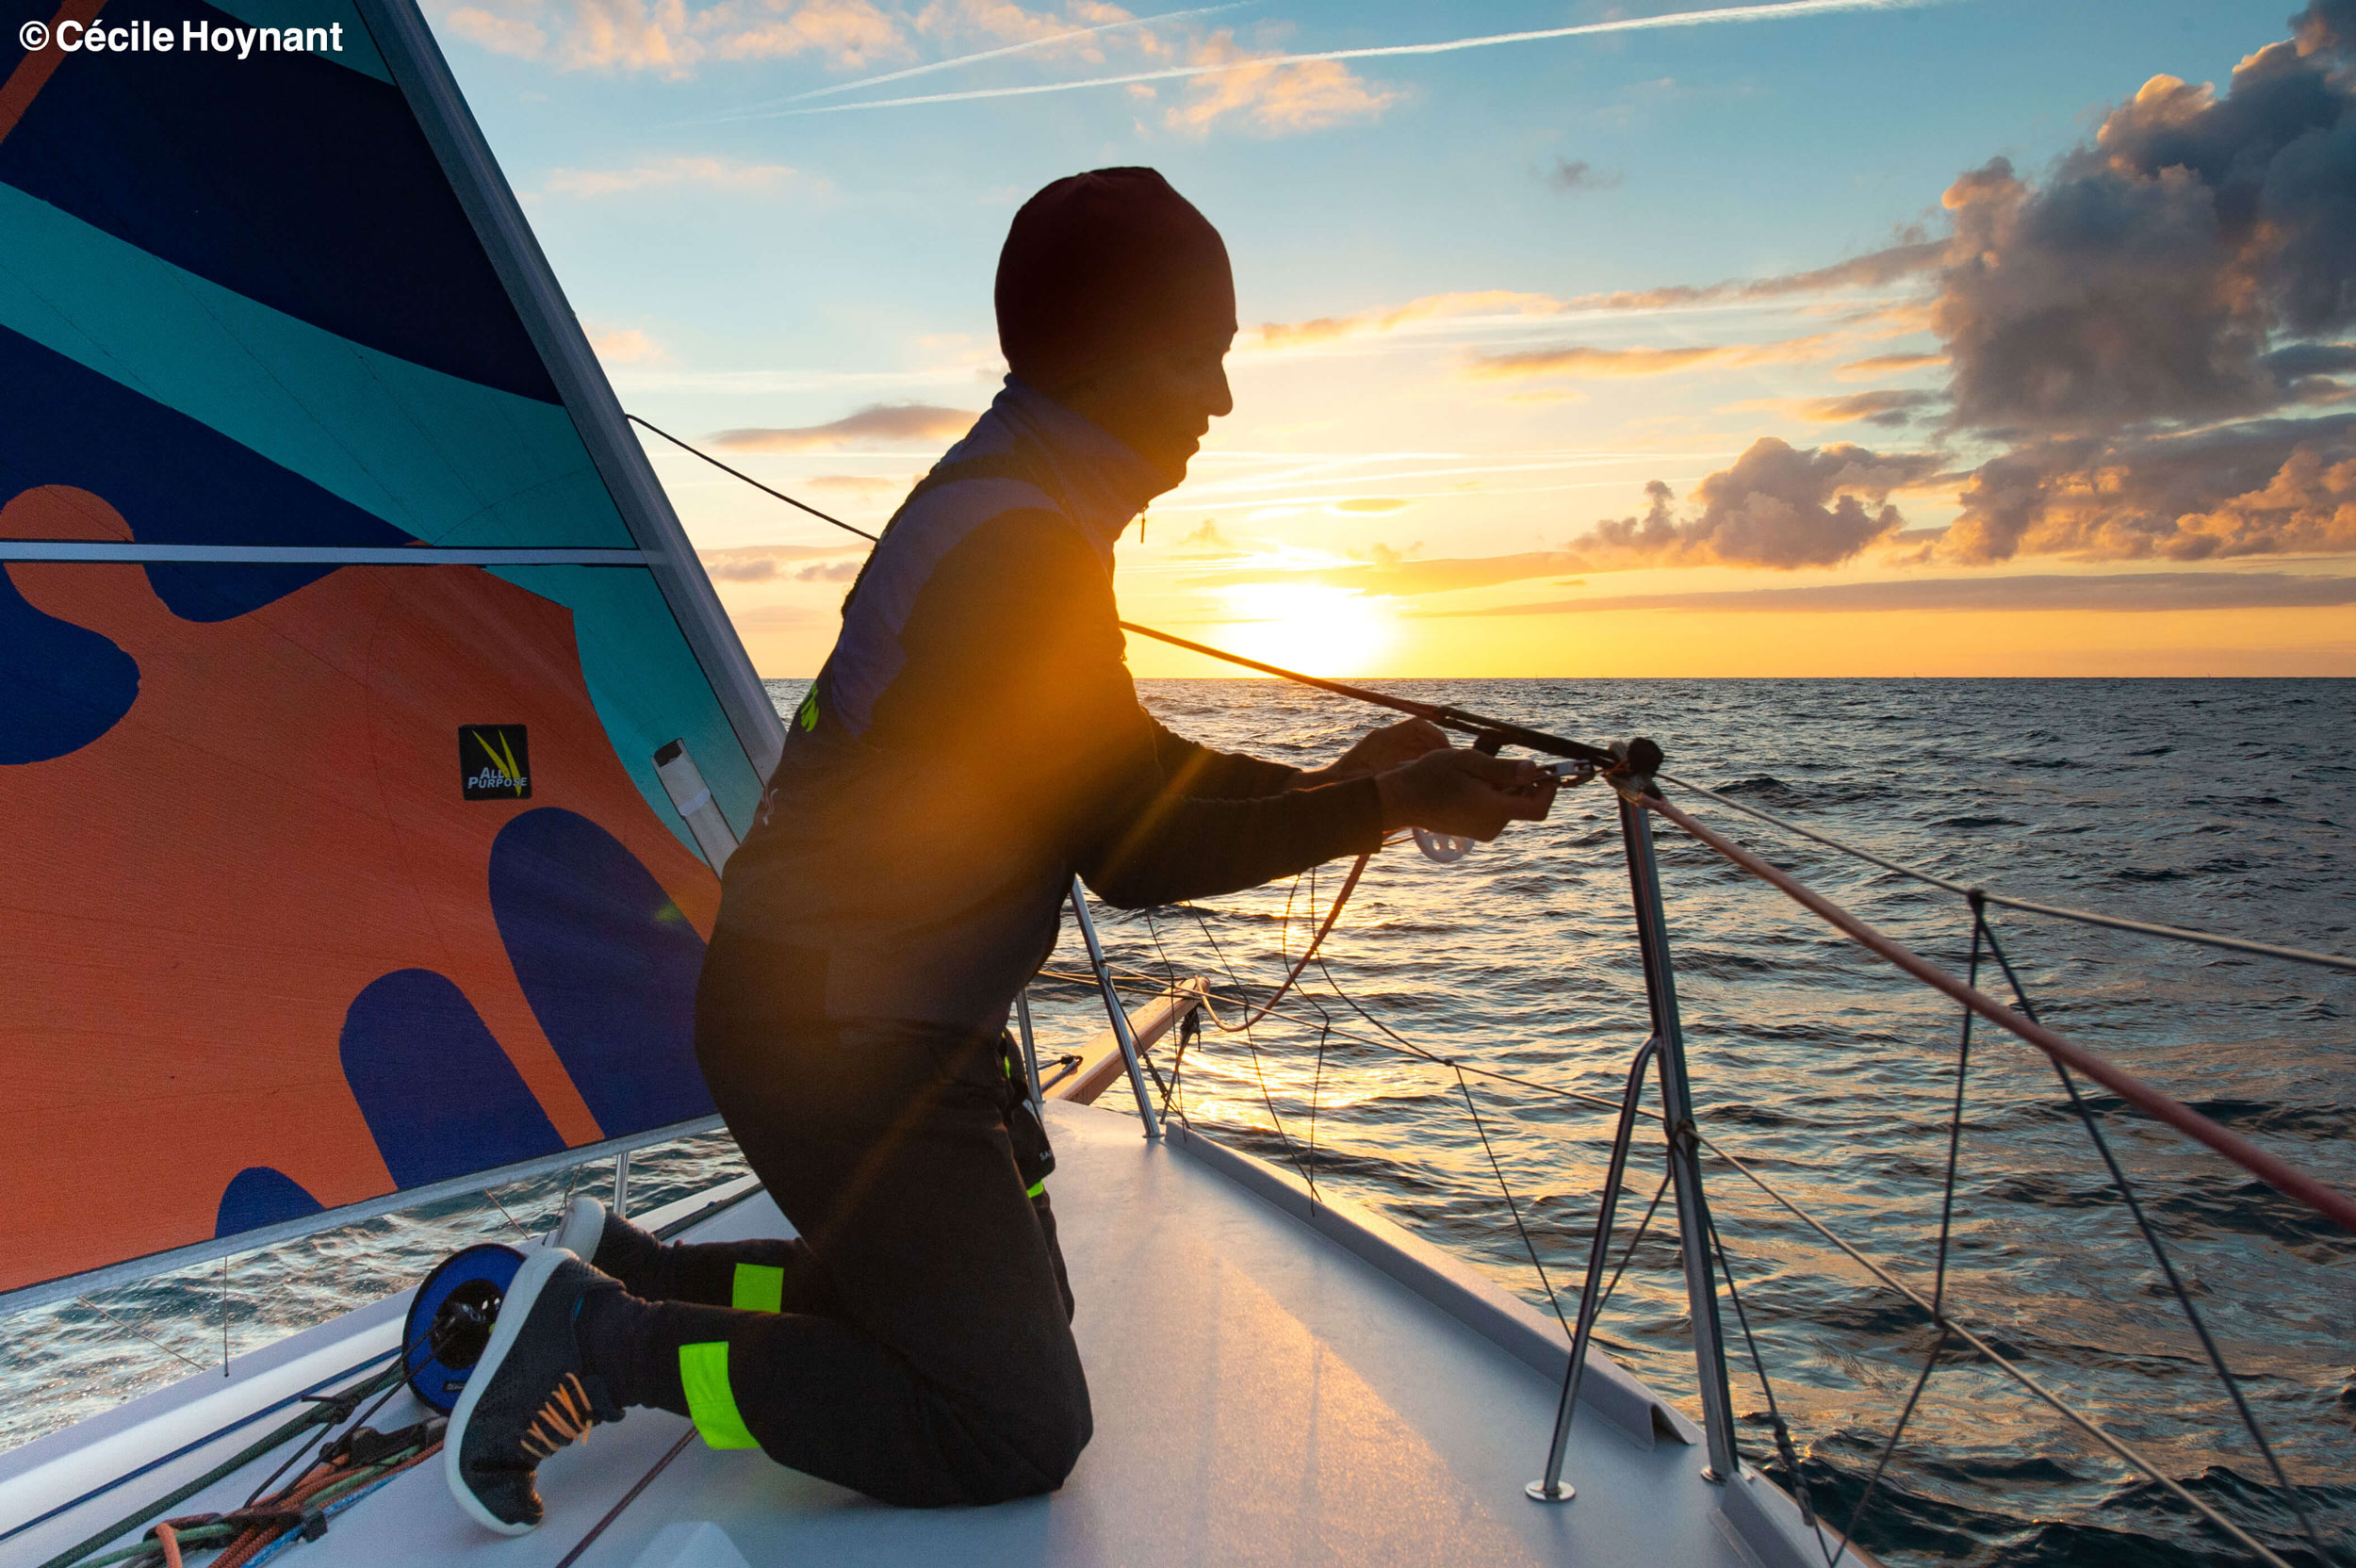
{"x":1222,"y":401}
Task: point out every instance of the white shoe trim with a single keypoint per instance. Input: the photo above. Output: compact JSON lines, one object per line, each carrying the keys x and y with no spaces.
{"x":522,"y":1296}
{"x":581,"y":1229}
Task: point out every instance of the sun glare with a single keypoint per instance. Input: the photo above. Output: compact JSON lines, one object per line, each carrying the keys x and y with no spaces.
{"x":1308,"y":627}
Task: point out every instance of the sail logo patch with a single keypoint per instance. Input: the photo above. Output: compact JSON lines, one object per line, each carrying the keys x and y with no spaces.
{"x":494,"y":763}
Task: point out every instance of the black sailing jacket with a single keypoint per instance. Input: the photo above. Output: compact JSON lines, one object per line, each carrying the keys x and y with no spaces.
{"x":974,"y":740}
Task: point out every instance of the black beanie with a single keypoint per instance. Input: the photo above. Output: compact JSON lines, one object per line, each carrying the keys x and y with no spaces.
{"x":1100,"y":269}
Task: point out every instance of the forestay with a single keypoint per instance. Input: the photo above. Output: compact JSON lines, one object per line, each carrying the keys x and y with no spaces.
{"x":341,"y":622}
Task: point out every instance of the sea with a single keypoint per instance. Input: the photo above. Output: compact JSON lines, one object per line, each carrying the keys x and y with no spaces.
{"x":1455,"y":1058}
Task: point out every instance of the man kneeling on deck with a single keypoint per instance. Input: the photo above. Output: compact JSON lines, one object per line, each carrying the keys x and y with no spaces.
{"x":974,"y":741}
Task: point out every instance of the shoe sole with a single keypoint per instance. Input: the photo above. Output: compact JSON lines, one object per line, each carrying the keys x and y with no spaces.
{"x":522,"y":1296}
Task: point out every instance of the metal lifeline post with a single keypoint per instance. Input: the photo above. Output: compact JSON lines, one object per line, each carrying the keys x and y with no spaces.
{"x":1114,"y":1010}
{"x":621,"y":1185}
{"x":1677,"y":1108}
{"x":1553,"y":1489}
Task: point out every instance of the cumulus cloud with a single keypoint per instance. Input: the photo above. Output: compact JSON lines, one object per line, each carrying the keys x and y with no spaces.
{"x":1581,"y":360}
{"x":1576,"y":174}
{"x":1271,"y":94}
{"x":2258,"y":487}
{"x":2145,"y":592}
{"x":876,"y":423}
{"x":764,"y":562}
{"x":1778,"y":506}
{"x":626,"y":345}
{"x":2146,"y":277}
{"x":1206,"y":539}
{"x":717,"y":174}
{"x":669,"y":38}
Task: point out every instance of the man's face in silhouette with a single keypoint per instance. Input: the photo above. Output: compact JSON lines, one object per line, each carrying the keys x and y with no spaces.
{"x":1161,"y":405}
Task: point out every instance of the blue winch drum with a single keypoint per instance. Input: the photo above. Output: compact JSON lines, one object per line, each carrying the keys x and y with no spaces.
{"x":450,"y":1320}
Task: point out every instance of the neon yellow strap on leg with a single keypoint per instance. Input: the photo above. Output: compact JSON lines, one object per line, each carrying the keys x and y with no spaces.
{"x":704,"y":1370}
{"x":757,"y":1287}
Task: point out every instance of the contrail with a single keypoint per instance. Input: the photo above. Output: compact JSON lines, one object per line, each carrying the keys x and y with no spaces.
{"x":1009,"y":49}
{"x":1774,"y":11}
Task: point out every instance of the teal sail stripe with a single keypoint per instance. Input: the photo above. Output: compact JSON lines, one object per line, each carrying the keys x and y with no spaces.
{"x":647,"y":686}
{"x":439,"y":457}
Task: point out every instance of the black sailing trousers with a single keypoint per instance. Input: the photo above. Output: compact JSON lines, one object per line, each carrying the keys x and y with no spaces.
{"x":924,"y":1353}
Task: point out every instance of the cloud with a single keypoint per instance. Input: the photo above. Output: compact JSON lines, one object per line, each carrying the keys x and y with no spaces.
{"x":1271,"y":94}
{"x":1207,"y":540}
{"x":667,"y":37}
{"x":1575,"y":174}
{"x":1887,"y":407}
{"x":2138,"y":592}
{"x":1391,"y":573}
{"x":760,"y":563}
{"x":1376,"y":505}
{"x":1760,"y":10}
{"x":717,"y":174}
{"x":875,"y":422}
{"x":1872,"y":269}
{"x":829,"y":571}
{"x":1078,"y":35}
{"x":626,"y":345}
{"x":2147,"y":275}
{"x":1485,"y":301}
{"x":1875,"y":366}
{"x":862,"y":486}
{"x":2260,"y":487}
{"x":1778,"y":506}
{"x":1578,"y":360}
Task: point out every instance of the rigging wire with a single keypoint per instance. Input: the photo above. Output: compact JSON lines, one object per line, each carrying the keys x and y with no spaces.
{"x":1946,"y":1235}
{"x":2159,"y":1253}
{"x":1500,"y":732}
{"x":2055,"y":911}
{"x":1333,"y":913}
{"x":1494,"y":733}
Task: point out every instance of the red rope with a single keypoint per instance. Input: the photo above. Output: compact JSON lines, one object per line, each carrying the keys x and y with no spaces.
{"x":1332,"y":914}
{"x":2275,"y":1172}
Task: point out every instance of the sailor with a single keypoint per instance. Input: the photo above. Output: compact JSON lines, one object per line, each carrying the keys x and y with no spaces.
{"x":972,"y":741}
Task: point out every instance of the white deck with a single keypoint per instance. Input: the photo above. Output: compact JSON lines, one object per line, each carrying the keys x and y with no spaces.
{"x":1267,"y":1391}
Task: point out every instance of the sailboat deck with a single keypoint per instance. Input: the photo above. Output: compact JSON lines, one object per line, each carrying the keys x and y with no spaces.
{"x":1267,"y":1391}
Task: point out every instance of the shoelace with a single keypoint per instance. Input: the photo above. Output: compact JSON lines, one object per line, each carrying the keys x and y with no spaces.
{"x":564,"y":1418}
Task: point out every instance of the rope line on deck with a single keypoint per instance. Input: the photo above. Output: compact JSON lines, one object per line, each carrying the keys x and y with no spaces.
{"x":2031,"y":907}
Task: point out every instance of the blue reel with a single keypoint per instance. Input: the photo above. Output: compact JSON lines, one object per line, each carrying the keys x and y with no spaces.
{"x":450,"y":1320}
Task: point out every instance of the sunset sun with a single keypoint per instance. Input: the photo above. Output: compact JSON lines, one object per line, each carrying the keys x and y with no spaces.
{"x":1308,"y":627}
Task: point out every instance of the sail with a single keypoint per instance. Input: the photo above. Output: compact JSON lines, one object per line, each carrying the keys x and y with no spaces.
{"x":344,"y":637}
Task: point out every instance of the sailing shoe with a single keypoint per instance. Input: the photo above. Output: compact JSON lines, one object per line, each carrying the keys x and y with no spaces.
{"x":612,"y":1245}
{"x":527,"y":1396}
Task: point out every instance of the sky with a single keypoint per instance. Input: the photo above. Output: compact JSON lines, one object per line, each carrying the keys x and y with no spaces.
{"x":1830,"y":337}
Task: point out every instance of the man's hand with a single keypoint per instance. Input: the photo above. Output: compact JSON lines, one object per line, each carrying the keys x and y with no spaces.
{"x":1468,"y":793}
{"x":1380,"y":750}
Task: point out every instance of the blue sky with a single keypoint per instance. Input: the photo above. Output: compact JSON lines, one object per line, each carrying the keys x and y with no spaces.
{"x":745,"y":267}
